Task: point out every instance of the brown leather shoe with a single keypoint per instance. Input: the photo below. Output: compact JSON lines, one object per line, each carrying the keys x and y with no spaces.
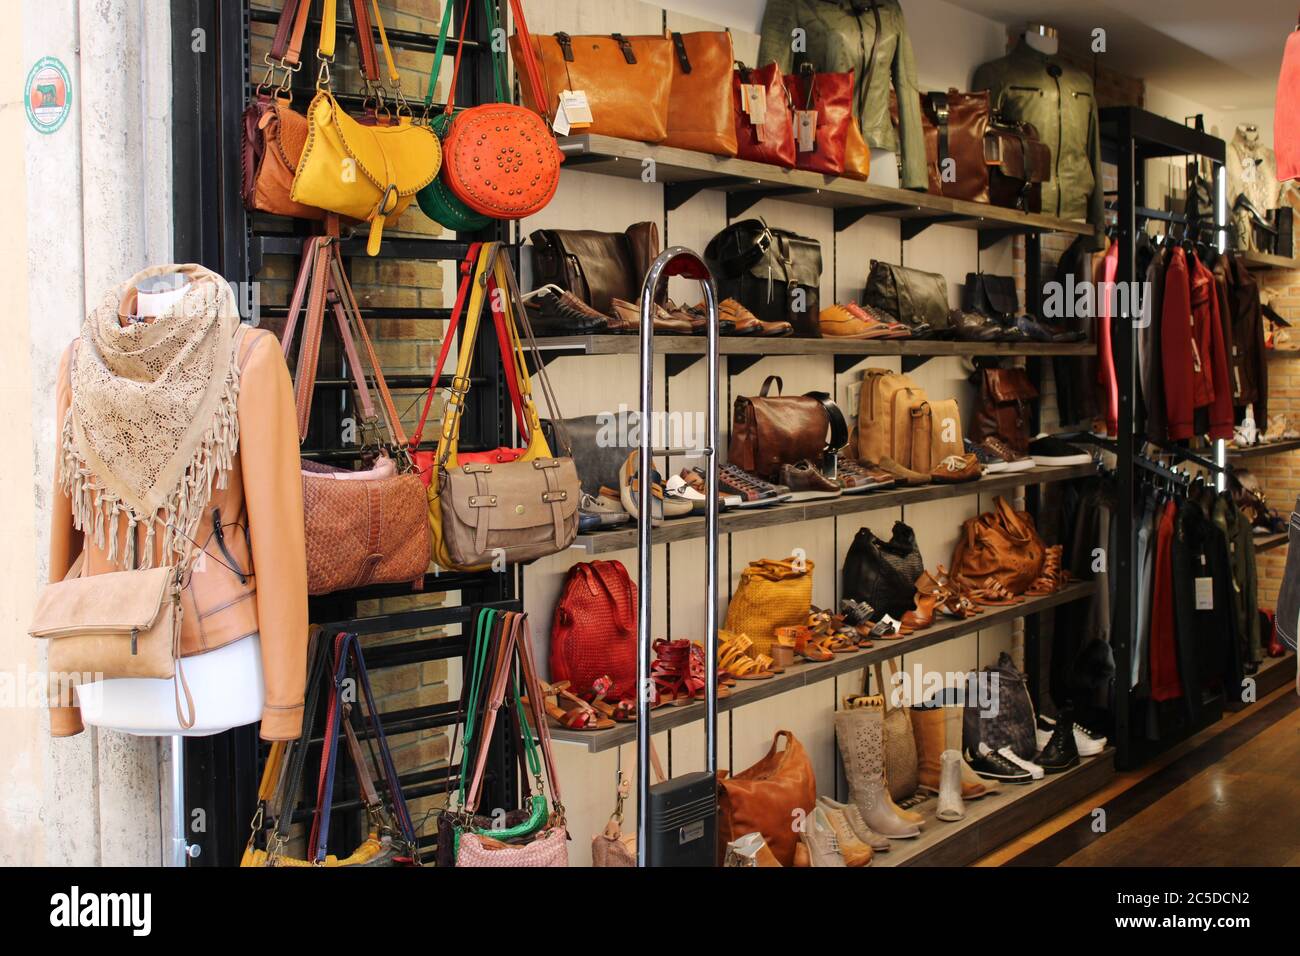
{"x":806,"y":483}
{"x":869,"y":313}
{"x":839,"y":322}
{"x":906,"y":475}
{"x":855,"y":477}
{"x":747,"y":323}
{"x":556,"y":311}
{"x":699,"y":318}
{"x":957,"y":468}
{"x":630,"y":314}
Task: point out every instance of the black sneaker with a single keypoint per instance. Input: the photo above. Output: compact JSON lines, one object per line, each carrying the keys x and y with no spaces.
{"x":1050,"y":450}
{"x":1060,"y":754}
{"x":991,"y":765}
{"x":1089,"y":742}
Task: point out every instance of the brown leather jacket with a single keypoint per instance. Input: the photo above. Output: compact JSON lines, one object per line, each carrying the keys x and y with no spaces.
{"x":262,"y":502}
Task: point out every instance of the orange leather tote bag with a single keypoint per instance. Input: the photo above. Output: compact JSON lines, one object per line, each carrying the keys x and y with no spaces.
{"x":701,"y":114}
{"x":770,"y":797}
{"x":1002,"y":544}
{"x":499,"y":159}
{"x":627,"y":80}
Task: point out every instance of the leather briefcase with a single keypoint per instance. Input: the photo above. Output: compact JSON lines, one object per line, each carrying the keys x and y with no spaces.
{"x":1018,"y":164}
{"x":774,"y":273}
{"x":701,"y":112}
{"x":917,"y":298}
{"x":768,"y":431}
{"x":597,"y":267}
{"x":627,"y":81}
{"x":992,"y":296}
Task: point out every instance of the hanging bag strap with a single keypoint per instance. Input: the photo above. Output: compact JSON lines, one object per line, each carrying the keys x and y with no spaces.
{"x":448,"y":8}
{"x":291,"y":781}
{"x":467,"y":267}
{"x":455,"y":68}
{"x":531,"y":69}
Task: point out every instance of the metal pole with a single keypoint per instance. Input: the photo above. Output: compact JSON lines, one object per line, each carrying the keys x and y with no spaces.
{"x":182,"y":851}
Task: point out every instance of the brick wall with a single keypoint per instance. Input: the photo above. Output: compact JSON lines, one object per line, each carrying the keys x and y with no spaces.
{"x":406,"y":346}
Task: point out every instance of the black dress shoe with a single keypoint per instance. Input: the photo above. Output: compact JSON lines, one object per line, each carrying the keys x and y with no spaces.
{"x":1061,"y":752}
{"x":973,"y":327}
{"x":556,"y":311}
{"x":991,"y":765}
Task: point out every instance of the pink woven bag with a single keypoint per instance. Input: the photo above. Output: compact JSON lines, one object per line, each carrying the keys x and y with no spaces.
{"x":549,"y":849}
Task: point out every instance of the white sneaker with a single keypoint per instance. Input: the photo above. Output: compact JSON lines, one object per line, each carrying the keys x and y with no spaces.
{"x":1035,"y":771}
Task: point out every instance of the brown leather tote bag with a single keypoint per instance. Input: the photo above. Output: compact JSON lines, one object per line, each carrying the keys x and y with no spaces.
{"x":701,"y":113}
{"x":1002,"y":544}
{"x":596,"y":266}
{"x":766,"y":797}
{"x":368,"y":527}
{"x":960,"y":121}
{"x":627,"y":81}
{"x":1004,"y":407}
{"x":768,"y":431}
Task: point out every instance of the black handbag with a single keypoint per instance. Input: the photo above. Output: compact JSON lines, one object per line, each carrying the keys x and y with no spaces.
{"x":774,"y":273}
{"x":597,"y":458}
{"x":915,"y":298}
{"x":883,"y":573}
{"x":1001,"y":713}
{"x":992,"y":296}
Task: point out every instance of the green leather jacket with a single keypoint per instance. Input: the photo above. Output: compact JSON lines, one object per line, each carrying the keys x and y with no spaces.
{"x":1059,"y":101}
{"x":838,"y":38}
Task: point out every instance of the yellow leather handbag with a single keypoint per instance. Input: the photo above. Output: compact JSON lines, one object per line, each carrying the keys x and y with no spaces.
{"x":365,"y":171}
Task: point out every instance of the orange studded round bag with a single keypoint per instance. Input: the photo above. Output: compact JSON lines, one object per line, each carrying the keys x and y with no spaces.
{"x":499,"y":159}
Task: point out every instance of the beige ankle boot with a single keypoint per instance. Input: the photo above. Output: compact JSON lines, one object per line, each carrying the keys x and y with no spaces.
{"x":860,"y":734}
{"x":819,"y":837}
{"x":854,"y":851}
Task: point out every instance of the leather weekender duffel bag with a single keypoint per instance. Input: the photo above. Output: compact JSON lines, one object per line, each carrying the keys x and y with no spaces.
{"x":767,"y":797}
{"x":774,"y":273}
{"x":627,"y":81}
{"x":596,"y":266}
{"x":914,"y":297}
{"x":768,"y":431}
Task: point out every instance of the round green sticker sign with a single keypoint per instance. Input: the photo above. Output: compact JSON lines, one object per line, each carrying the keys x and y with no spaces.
{"x":49,"y":95}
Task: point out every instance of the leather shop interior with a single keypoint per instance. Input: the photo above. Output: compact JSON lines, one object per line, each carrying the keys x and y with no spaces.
{"x":728,"y":433}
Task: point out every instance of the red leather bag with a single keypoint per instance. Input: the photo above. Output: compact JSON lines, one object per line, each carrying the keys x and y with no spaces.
{"x":773,"y":141}
{"x":830,"y":96}
{"x":499,"y":159}
{"x":1286,"y":112}
{"x":593,"y":634}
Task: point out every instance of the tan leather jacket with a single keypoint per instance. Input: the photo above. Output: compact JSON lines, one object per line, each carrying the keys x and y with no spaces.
{"x":263,"y":497}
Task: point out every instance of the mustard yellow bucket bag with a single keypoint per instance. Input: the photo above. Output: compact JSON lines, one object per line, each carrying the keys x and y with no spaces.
{"x":771,"y":594}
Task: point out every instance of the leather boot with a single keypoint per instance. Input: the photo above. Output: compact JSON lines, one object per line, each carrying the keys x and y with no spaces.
{"x":951,"y":808}
{"x":972,"y":786}
{"x":860,"y":734}
{"x":936,"y":730}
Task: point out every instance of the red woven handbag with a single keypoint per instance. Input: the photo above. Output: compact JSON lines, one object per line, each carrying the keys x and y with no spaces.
{"x":593,"y":634}
{"x":499,"y":159}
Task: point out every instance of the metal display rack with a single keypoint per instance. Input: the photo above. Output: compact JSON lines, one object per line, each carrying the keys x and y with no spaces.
{"x":212,"y":227}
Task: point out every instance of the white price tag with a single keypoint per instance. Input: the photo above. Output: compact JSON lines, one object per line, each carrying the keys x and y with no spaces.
{"x":560,"y":125}
{"x":755,"y":98}
{"x":805,"y":126}
{"x":1205,"y":594}
{"x":576,"y":107}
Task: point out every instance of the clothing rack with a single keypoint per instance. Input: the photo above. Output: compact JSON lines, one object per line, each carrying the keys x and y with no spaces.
{"x":1131,"y":137}
{"x":212,"y":227}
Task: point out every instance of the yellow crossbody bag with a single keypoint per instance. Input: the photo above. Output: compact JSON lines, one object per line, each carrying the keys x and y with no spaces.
{"x":362,"y":171}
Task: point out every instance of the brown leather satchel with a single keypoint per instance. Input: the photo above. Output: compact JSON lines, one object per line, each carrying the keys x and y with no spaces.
{"x":1003,"y":410}
{"x":1018,"y":163}
{"x":597,"y":267}
{"x":768,"y":431}
{"x":1002,"y":544}
{"x":768,"y":798}
{"x":362,"y":527}
{"x":627,"y":81}
{"x":701,"y":114}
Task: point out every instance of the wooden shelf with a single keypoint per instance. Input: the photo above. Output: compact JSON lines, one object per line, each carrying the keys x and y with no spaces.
{"x":1263,"y":450}
{"x":804,"y":674}
{"x":684,"y":173}
{"x":994,"y":820}
{"x":1266,"y":260}
{"x":1271,"y":542}
{"x":746,"y":519}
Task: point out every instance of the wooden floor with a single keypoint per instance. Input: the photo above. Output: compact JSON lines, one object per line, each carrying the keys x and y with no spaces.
{"x":1226,"y":797}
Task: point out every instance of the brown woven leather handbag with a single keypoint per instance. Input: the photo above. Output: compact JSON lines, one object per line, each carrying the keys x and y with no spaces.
{"x":363,"y":527}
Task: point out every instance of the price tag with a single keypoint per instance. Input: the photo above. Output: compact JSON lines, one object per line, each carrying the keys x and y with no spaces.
{"x":576,"y":108}
{"x":755,"y":99}
{"x":560,"y":125}
{"x":805,"y":126}
{"x":1205,"y":594}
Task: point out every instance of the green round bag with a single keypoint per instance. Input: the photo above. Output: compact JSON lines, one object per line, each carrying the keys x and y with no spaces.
{"x":436,"y":200}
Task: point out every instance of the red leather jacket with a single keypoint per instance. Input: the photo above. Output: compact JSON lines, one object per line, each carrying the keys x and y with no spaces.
{"x":1194,"y":357}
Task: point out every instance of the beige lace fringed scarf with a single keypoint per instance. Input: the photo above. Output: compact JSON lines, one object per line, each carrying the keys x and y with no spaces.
{"x":153,"y":424}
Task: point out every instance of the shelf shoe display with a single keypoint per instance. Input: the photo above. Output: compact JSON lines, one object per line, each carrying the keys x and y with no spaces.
{"x":937,"y":730}
{"x":1050,"y":451}
{"x":660,"y":507}
{"x":598,"y":512}
{"x":855,"y":851}
{"x":1035,"y":771}
{"x":860,"y":735}
{"x":1088,"y":742}
{"x":855,"y":477}
{"x":1061,"y":753}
